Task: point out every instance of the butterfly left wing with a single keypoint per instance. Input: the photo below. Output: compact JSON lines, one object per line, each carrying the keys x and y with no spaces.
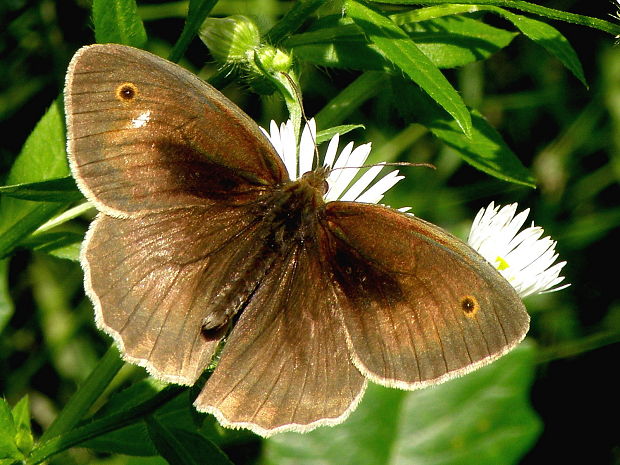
{"x":419,"y":306}
{"x":144,"y":134}
{"x":286,"y":366}
{"x":178,"y":170}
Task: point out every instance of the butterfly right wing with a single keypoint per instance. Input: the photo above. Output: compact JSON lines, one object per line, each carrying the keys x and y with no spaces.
{"x":153,"y":280}
{"x":419,"y":306}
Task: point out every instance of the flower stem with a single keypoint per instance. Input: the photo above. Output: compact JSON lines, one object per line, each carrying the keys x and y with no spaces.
{"x":86,"y":395}
{"x":102,"y":426}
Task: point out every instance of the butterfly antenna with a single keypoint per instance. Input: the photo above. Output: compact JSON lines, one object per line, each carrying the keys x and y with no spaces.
{"x":388,"y":163}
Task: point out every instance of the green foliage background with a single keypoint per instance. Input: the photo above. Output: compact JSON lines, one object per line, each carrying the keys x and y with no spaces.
{"x":518,"y":94}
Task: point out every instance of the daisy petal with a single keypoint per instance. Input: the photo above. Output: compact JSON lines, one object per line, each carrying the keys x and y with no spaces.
{"x":306,"y":147}
{"x":378,"y":190}
{"x":342,"y":168}
{"x":289,"y":148}
{"x":348,"y":170}
{"x":335,"y":187}
{"x":362,"y":183}
{"x":332,"y":148}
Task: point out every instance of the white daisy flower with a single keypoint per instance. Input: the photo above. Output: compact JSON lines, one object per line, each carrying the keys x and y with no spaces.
{"x":523,"y":258}
{"x":299,"y":160}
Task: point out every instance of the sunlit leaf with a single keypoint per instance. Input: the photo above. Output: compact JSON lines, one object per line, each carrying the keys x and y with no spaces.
{"x":8,"y":432}
{"x":448,"y":42}
{"x":327,"y":134}
{"x":529,"y":7}
{"x":399,"y":49}
{"x":485,"y":150}
{"x":42,"y":157}
{"x":54,"y":190}
{"x":548,"y":37}
{"x":21,"y":417}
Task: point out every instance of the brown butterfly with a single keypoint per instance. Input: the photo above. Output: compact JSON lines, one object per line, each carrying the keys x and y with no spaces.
{"x":202,"y":236}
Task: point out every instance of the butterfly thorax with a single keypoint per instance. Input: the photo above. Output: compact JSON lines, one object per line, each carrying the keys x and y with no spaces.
{"x":286,"y":219}
{"x":294,"y":209}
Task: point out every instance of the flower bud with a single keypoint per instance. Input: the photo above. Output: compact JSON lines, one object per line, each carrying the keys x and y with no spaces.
{"x":231,"y":40}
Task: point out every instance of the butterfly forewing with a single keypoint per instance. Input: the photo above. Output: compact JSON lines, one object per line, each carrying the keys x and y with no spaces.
{"x":419,"y":306}
{"x":145,"y":134}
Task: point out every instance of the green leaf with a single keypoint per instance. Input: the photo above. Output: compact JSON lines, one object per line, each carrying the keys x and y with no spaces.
{"x":528,"y":7}
{"x":54,"y":190}
{"x":181,"y":447}
{"x":100,"y":426}
{"x":6,"y":302}
{"x":448,"y":42}
{"x":455,"y":41}
{"x":548,"y":37}
{"x":8,"y":433}
{"x":399,"y":49}
{"x":21,"y":417}
{"x":43,"y":155}
{"x":483,"y":418}
{"x":117,"y":21}
{"x":64,"y":244}
{"x":327,"y":134}
{"x":485,"y":150}
{"x":41,"y":158}
{"x":135,"y":440}
{"x":90,"y":389}
{"x":132,"y":439}
{"x":196,"y":14}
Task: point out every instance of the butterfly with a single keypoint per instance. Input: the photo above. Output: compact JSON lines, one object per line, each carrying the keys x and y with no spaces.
{"x":202,"y":237}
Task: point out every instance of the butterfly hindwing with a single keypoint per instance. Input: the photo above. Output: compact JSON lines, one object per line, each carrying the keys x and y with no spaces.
{"x":419,"y":306}
{"x":286,"y":365}
{"x":154,"y":280}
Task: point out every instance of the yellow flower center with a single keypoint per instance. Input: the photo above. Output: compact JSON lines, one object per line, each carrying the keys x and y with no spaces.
{"x":501,"y":264}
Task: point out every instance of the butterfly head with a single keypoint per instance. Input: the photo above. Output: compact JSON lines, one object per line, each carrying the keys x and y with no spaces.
{"x":317,"y":180}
